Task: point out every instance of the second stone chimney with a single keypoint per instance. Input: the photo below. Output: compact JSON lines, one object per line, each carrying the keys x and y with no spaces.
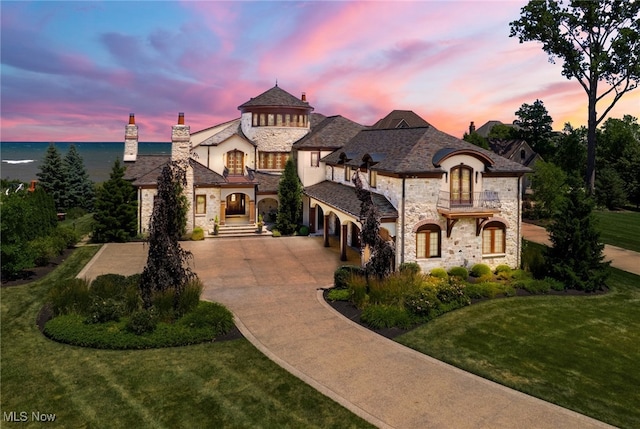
{"x":180,"y":140}
{"x":472,"y":128}
{"x":131,"y":140}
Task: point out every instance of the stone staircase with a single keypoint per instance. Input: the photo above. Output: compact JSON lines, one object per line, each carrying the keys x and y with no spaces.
{"x":239,"y":230}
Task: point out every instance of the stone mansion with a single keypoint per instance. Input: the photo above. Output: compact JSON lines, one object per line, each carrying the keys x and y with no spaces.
{"x":442,"y":201}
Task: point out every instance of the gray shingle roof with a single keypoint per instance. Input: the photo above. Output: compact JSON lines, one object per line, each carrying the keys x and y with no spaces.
{"x":146,"y":169}
{"x":233,"y":128}
{"x":275,"y":97}
{"x":411,"y":151}
{"x":344,"y":198}
{"x":331,"y":133}
{"x":267,"y":182}
{"x":400,"y":118}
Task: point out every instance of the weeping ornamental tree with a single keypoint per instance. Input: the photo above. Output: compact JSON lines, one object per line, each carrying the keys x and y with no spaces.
{"x":382,"y":254}
{"x":167,"y":264}
{"x":598,"y":42}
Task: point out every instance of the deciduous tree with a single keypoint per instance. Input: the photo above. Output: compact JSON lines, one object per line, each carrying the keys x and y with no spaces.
{"x":534,"y":124}
{"x":598,"y":42}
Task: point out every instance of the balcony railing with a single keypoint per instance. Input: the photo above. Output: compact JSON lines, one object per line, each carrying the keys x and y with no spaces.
{"x":460,"y":202}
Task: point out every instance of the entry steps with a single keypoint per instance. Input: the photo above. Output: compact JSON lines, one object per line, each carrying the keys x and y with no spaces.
{"x":238,"y":230}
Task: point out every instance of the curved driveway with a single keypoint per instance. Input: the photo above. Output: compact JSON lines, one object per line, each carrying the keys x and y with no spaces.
{"x":271,"y":285}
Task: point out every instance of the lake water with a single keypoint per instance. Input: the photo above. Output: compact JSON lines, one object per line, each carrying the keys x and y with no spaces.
{"x":22,"y":160}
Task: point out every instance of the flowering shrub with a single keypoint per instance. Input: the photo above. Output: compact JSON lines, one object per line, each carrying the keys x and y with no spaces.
{"x":452,"y":292}
{"x":422,"y":303}
{"x":105,"y":310}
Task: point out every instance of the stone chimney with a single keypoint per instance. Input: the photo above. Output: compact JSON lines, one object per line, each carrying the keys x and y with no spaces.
{"x":304,"y":97}
{"x":180,"y":140}
{"x":472,"y":128}
{"x":130,"y":140}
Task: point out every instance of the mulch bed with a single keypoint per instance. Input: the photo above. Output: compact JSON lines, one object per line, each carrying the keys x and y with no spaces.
{"x":36,"y":273}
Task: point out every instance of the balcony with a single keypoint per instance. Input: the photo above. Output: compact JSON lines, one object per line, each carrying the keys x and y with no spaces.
{"x":478,"y":205}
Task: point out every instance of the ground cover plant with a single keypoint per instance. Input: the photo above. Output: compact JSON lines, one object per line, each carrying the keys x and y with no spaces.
{"x":219,"y":384}
{"x":580,"y":352}
{"x":620,"y":229}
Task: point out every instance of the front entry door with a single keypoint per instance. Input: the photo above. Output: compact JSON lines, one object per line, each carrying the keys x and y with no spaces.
{"x":235,"y":205}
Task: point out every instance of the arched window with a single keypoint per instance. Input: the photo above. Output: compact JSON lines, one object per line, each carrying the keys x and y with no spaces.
{"x":428,"y":241}
{"x":493,"y":238}
{"x":235,"y":162}
{"x":461,"y":186}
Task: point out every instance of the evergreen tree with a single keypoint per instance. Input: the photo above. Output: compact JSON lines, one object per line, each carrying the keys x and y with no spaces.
{"x":52,"y":177}
{"x":534,"y":125}
{"x":79,"y":188}
{"x":290,"y":200}
{"x":115,"y":208}
{"x":576,"y":257}
{"x":382,"y":253}
{"x":167,"y":269}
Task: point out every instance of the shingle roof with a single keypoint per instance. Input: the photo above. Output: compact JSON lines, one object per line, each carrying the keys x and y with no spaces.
{"x":146,"y":169}
{"x":344,"y":198}
{"x":411,"y":151}
{"x":333,"y":132}
{"x":267,"y":182}
{"x":401,"y":119}
{"x":233,"y":128}
{"x":275,"y":97}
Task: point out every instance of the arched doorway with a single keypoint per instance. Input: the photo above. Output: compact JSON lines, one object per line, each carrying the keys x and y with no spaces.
{"x":236,"y":205}
{"x":268,"y":208}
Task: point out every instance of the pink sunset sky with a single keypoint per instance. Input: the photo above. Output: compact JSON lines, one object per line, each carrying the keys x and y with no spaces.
{"x":73,"y":71}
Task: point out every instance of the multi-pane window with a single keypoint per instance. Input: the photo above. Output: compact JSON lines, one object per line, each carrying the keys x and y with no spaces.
{"x":493,"y":238}
{"x":347,"y":173}
{"x":272,"y":160}
{"x":373,"y":178}
{"x":201,"y":204}
{"x":428,"y":241}
{"x":461,"y":186}
{"x":235,"y":162}
{"x":315,"y":159}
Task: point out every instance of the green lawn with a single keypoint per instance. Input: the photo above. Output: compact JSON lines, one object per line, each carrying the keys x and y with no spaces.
{"x":226,"y":384}
{"x":620,"y":229}
{"x":579,"y":352}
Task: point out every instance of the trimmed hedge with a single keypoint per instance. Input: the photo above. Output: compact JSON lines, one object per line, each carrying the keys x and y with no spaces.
{"x":460,"y":272}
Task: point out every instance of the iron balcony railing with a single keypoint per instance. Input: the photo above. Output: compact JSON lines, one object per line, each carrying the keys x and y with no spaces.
{"x":469,"y":201}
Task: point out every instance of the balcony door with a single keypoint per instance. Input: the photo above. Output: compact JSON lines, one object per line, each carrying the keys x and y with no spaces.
{"x":461,"y":186}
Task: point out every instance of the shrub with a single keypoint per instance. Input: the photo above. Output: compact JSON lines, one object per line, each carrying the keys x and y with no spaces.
{"x":440,"y":273}
{"x":342,"y":274}
{"x":452,"y":292}
{"x":275,"y":233}
{"x":132,"y":299}
{"x":534,"y":286}
{"x":189,"y":297}
{"x":488,"y":290}
{"x":338,"y":295}
{"x":480,"y":270}
{"x":555,"y":284}
{"x":422,"y":303}
{"x":460,"y":272}
{"x":304,"y":230}
{"x":197,"y":234}
{"x":109,"y":286}
{"x":70,"y":296}
{"x":392,"y":289}
{"x":46,"y":248}
{"x":410,"y":267}
{"x":66,"y":236}
{"x":533,"y":260}
{"x":104,"y":310}
{"x":502,"y":268}
{"x":209,"y":315}
{"x":142,"y":321}
{"x":163,"y":302}
{"x":386,"y":316}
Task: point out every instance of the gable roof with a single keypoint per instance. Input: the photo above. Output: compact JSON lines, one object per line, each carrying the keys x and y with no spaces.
{"x":344,"y":198}
{"x":401,"y":119}
{"x":413,"y":151}
{"x":233,"y":128}
{"x":144,"y":171}
{"x":331,"y":133}
{"x":275,"y":97}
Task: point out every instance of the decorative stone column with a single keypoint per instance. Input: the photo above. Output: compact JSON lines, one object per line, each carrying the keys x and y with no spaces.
{"x":252,"y":211}
{"x":223,"y":211}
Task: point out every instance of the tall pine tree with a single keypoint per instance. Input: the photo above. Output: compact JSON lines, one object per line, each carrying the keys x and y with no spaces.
{"x":116,"y":208}
{"x":576,"y":257}
{"x":52,"y":177}
{"x":290,"y":200}
{"x":79,"y":187}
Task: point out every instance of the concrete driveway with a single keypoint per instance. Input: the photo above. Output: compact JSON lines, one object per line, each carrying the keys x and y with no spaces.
{"x":271,"y":286}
